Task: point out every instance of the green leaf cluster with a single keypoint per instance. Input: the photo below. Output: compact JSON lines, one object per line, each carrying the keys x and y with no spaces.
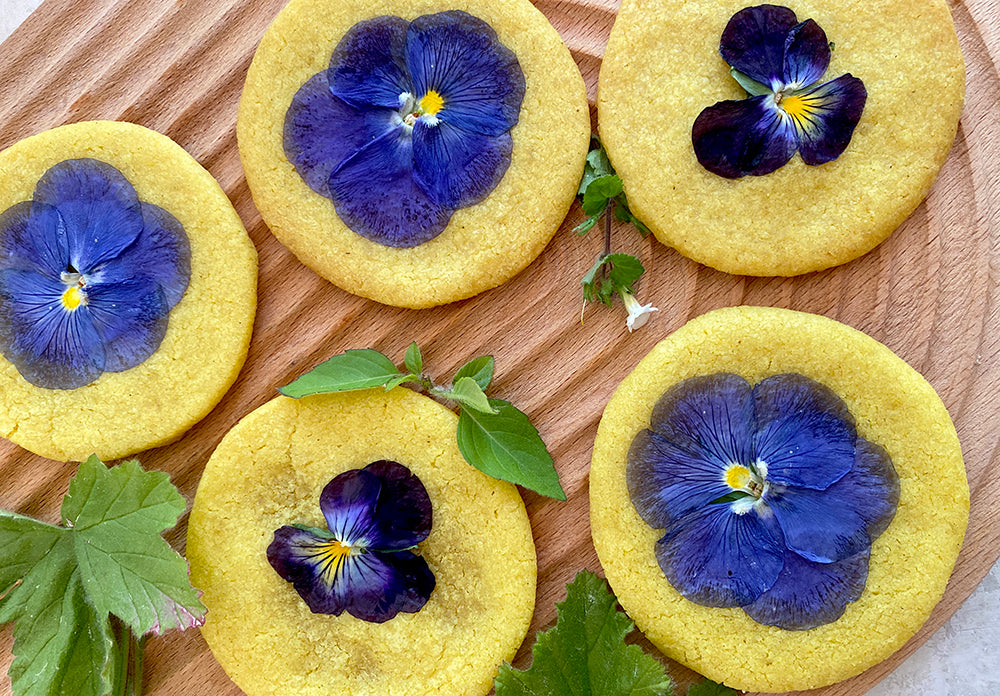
{"x":585,"y":653}
{"x":711,"y":688}
{"x":600,"y":189}
{"x":612,"y":275}
{"x":79,"y":593}
{"x":493,"y":435}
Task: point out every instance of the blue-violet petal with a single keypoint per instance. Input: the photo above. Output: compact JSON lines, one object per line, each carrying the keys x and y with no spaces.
{"x":754,"y":42}
{"x":743,"y":137}
{"x":807,"y":594}
{"x":807,"y":55}
{"x":457,"y":168}
{"x":130,"y":317}
{"x":368,"y":66}
{"x":843,"y":520}
{"x":459,"y":57}
{"x":718,"y":558}
{"x":375,"y":194}
{"x":829,"y":113}
{"x":349,"y":504}
{"x":383,"y":584}
{"x":804,"y":432}
{"x":33,"y":238}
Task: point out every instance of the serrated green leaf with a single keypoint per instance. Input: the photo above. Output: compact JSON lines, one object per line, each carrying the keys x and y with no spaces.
{"x":508,"y":447}
{"x":625,"y":270}
{"x":599,"y":192}
{"x":711,"y":688}
{"x":584,"y":654}
{"x":479,"y":369}
{"x":126,"y":567}
{"x":598,"y":165}
{"x":348,"y":371}
{"x":24,"y":543}
{"x":752,"y":87}
{"x":413,"y":360}
{"x":470,"y":396}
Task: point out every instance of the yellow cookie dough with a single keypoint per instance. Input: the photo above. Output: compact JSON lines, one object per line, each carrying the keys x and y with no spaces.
{"x":483,"y":245}
{"x":269,"y":471}
{"x":662,"y":67}
{"x":208,"y":331}
{"x":910,"y":563}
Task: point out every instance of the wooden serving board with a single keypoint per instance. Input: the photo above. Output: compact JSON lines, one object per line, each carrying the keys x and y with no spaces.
{"x":930,"y":293}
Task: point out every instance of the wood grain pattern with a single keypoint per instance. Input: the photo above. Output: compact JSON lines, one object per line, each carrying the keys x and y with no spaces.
{"x":930,"y":292}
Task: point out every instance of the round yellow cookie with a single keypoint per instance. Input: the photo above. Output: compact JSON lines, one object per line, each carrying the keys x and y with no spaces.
{"x":662,"y":67}
{"x":910,"y":562}
{"x":483,"y":245}
{"x":208,"y":331}
{"x":269,"y":472}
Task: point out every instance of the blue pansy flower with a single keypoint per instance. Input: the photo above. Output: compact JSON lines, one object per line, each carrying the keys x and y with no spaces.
{"x":364,"y":563}
{"x":88,"y":276}
{"x":410,"y":122}
{"x":779,"y":62}
{"x":768,"y":498}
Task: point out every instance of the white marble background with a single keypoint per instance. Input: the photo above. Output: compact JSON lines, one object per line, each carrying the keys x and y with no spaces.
{"x":958,"y":660}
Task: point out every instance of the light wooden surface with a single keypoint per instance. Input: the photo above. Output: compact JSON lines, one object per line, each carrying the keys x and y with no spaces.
{"x":930,"y":292}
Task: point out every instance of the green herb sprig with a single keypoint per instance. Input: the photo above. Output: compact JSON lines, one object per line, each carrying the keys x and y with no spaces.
{"x":711,"y":688}
{"x":585,"y":652}
{"x":84,"y":595}
{"x":493,"y":435}
{"x":602,"y":193}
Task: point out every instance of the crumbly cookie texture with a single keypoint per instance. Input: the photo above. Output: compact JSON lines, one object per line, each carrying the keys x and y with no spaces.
{"x":208,"y":333}
{"x":910,"y":563}
{"x":269,"y":471}
{"x":662,"y":67}
{"x":484,"y":245}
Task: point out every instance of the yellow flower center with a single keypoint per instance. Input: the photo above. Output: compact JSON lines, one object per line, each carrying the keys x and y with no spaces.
{"x":331,"y":556}
{"x":737,"y":476}
{"x":72,"y":298}
{"x":431,"y":103}
{"x":795,"y":106}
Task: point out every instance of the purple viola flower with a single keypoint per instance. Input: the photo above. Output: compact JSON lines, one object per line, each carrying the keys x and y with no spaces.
{"x":88,"y":276}
{"x":779,"y":62}
{"x":768,"y":498}
{"x":364,"y":563}
{"x":410,"y":122}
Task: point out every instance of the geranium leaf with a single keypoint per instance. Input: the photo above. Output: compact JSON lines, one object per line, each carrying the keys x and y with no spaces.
{"x":126,"y":567}
{"x":711,"y":688}
{"x":353,"y":369}
{"x":507,"y":446}
{"x":584,"y":654}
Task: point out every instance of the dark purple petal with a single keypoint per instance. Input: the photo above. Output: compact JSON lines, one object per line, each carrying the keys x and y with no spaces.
{"x":458,"y":168}
{"x":403,"y":514}
{"x":808,"y":594}
{"x":349,"y":503}
{"x":743,"y":137}
{"x":98,"y":205}
{"x":718,"y":558}
{"x":807,"y":55}
{"x":710,"y":417}
{"x":368,"y":66}
{"x":805,"y":434}
{"x":321,"y":131}
{"x":382,"y":585}
{"x":460,"y":57}
{"x":131,"y":318}
{"x":161,"y":254}
{"x":843,"y":520}
{"x":754,"y":41}
{"x":375,"y":194}
{"x":827,"y":117}
{"x":33,"y":238}
{"x":666,"y":482}
{"x":50,"y":346}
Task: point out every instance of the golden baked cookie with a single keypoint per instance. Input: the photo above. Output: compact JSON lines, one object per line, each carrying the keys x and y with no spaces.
{"x":910,"y":561}
{"x":662,"y":67}
{"x":482,"y":244}
{"x":269,"y":471}
{"x":189,"y":296}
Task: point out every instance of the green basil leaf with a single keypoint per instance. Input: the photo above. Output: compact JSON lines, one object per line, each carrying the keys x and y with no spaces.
{"x":413,"y":360}
{"x":479,"y":369}
{"x":508,"y":447}
{"x":348,"y":371}
{"x":399,"y":379}
{"x":470,"y":396}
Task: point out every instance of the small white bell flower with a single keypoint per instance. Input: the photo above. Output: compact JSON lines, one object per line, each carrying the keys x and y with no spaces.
{"x":638,"y":314}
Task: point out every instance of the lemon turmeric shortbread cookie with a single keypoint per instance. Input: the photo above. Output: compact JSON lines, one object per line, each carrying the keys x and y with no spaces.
{"x":777,"y":499}
{"x":127,"y":291}
{"x":773,"y":140}
{"x":344,"y":546}
{"x":414,"y":152}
